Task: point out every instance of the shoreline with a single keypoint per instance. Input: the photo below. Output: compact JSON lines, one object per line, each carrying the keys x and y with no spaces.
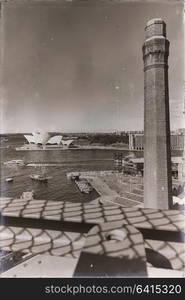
{"x":78,"y":148}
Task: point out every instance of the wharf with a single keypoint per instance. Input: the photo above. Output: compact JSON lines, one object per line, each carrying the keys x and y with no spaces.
{"x":114,"y":187}
{"x":174,"y":159}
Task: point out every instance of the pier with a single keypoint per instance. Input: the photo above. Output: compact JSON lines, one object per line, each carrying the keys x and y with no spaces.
{"x":59,"y":164}
{"x":61,"y":148}
{"x":114,"y":187}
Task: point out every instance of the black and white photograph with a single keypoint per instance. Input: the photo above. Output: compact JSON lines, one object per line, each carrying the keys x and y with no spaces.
{"x":92,"y":140}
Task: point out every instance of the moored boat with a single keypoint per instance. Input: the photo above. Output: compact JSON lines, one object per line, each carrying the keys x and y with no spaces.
{"x":41,"y":174}
{"x":83,"y":186}
{"x":39,"y":177}
{"x":9,"y":179}
{"x":19,"y":162}
{"x":27,"y":195}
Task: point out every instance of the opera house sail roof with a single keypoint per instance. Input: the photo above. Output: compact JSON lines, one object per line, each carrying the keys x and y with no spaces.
{"x":55,"y":139}
{"x":45,"y":138}
{"x":66,"y":143}
{"x":37,"y":138}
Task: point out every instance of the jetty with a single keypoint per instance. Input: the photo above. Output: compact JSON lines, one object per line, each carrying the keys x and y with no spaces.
{"x":114,"y":187}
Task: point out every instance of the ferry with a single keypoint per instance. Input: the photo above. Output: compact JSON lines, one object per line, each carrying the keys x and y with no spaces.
{"x":3,"y":139}
{"x":9,"y":179}
{"x":19,"y":162}
{"x":39,"y":177}
{"x":83,"y":186}
{"x":27,"y":195}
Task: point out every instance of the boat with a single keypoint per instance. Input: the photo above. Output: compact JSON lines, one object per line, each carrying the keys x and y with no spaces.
{"x":27,"y":195}
{"x":9,"y":179}
{"x":19,"y":162}
{"x":83,"y":186}
{"x":40,"y":177}
{"x":3,"y":139}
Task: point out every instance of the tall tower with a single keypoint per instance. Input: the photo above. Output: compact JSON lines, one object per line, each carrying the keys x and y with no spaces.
{"x":157,"y":156}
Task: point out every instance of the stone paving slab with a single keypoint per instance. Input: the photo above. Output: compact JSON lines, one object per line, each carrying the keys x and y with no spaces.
{"x":43,"y":266}
{"x":110,"y":251}
{"x":35,"y":241}
{"x":170,"y":220}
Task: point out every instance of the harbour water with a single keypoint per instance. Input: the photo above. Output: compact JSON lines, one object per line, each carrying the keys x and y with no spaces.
{"x":58,"y":187}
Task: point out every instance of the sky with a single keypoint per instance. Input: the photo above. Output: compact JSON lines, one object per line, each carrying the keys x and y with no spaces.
{"x":79,"y":68}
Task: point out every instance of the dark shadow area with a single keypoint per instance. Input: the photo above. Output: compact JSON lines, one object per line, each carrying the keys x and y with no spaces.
{"x":46,"y":224}
{"x":157,"y":260}
{"x":94,"y":265}
{"x":162,"y":235}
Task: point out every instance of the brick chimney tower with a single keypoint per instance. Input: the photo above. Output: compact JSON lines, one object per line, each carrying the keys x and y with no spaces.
{"x":157,"y":154}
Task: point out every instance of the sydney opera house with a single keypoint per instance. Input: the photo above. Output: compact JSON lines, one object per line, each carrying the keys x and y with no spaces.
{"x":38,"y":138}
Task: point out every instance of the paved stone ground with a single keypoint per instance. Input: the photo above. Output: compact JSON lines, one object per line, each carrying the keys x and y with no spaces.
{"x":120,"y":189}
{"x":71,"y":243}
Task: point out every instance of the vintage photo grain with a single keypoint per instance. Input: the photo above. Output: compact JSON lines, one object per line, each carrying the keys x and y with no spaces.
{"x":92,"y":139}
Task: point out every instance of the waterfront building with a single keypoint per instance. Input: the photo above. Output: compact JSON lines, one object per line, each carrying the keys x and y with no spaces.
{"x":37,"y":138}
{"x":136,"y":141}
